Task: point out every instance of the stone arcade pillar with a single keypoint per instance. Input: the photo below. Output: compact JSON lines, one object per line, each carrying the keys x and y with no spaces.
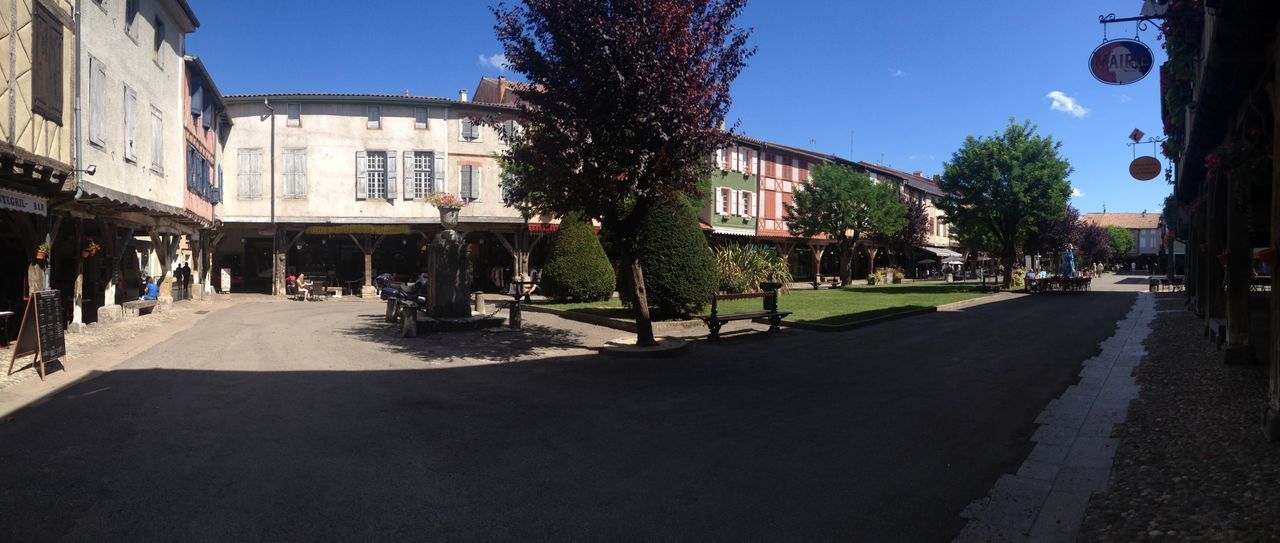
{"x":1271,"y":413}
{"x":1216,"y":207}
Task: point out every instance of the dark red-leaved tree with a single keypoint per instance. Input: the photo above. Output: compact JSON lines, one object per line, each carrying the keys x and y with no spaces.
{"x":623,"y":107}
{"x":914,"y":233}
{"x":1052,"y":235}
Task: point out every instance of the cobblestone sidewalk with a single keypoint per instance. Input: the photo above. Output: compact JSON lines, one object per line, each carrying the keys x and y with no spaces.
{"x":1046,"y":499}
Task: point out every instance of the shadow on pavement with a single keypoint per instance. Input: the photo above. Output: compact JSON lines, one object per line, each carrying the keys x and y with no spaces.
{"x":500,"y":344}
{"x":881,"y":433}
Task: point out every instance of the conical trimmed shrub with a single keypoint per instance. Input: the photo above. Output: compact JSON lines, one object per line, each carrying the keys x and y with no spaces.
{"x":577,"y":268}
{"x":679,"y":269}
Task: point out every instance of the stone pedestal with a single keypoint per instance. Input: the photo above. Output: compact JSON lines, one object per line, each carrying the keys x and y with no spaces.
{"x":449,"y":263}
{"x":110,"y":313}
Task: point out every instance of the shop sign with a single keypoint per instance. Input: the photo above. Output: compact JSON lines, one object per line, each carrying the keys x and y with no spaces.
{"x":1145,"y":168}
{"x":25,"y":203}
{"x":1120,"y":62}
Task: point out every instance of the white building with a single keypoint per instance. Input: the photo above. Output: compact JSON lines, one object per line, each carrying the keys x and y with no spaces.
{"x":346,"y":182}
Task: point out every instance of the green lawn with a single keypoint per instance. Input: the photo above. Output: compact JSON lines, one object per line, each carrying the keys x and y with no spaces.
{"x":826,"y":306}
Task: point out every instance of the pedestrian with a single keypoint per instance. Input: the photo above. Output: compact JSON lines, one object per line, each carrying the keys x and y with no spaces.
{"x":186,"y":276}
{"x":152,"y":291}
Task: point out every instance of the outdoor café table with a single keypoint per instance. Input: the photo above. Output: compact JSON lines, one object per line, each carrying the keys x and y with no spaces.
{"x":351,"y":286}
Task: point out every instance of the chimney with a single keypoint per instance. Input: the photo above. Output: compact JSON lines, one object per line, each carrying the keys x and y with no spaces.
{"x":502,"y":88}
{"x":406,"y":92}
{"x":1144,"y":213}
{"x":918,"y":173}
{"x":462,"y":95}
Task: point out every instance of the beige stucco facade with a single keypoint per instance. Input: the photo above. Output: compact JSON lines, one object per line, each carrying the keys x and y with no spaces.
{"x":330,"y":132}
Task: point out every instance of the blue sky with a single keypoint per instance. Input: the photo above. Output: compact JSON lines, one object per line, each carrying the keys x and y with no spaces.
{"x":910,"y":79}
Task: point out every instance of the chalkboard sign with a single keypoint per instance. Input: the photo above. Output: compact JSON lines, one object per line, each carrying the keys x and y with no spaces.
{"x":41,"y":333}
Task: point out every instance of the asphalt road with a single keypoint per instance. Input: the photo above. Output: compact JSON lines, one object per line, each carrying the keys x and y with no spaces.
{"x":309,"y":422}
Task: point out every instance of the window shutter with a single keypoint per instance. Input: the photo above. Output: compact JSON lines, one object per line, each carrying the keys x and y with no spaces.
{"x":197,"y":100}
{"x":157,"y":140}
{"x":410,"y":191}
{"x":720,"y":158}
{"x":777,"y":205}
{"x":752,"y":196}
{"x":130,"y":124}
{"x":391,"y":175}
{"x":734,"y":208}
{"x":362,"y":175}
{"x":719,"y":202}
{"x":437,"y":171}
{"x":300,"y":162}
{"x":464,"y":181}
{"x":477,"y":179}
{"x":97,"y":102}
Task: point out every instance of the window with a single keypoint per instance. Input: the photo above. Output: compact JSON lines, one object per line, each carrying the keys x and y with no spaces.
{"x":375,"y":117}
{"x":469,"y":182}
{"x":419,"y":117}
{"x":158,"y":43}
{"x":421,"y":175}
{"x":131,"y":19}
{"x":198,"y":178}
{"x":130,"y":113}
{"x":746,"y":204}
{"x":295,"y":173}
{"x":249,"y":174}
{"x":295,"y":115}
{"x":508,"y":131}
{"x":724,"y":200}
{"x":470,"y":130}
{"x":377,"y":171}
{"x":46,"y":64}
{"x":157,"y":140}
{"x":97,"y":102}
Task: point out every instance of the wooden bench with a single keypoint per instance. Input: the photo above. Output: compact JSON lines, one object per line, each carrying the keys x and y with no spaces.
{"x":770,"y":311}
{"x":136,"y":308}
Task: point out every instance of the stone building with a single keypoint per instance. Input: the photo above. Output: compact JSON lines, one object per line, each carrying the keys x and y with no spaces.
{"x":333,"y":185}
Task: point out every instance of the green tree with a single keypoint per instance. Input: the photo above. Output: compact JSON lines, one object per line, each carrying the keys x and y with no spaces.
{"x":679,"y":269}
{"x":999,"y":187}
{"x":622,"y":111}
{"x":1121,"y":240}
{"x":577,"y":268}
{"x":846,"y":206}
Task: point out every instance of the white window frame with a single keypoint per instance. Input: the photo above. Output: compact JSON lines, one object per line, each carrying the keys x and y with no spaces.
{"x":463,"y":124}
{"x":291,"y":119}
{"x":725,"y":201}
{"x":421,"y":117}
{"x":477,"y":179}
{"x":423,"y":173}
{"x":158,"y":36}
{"x":377,"y":177}
{"x":373,"y":118}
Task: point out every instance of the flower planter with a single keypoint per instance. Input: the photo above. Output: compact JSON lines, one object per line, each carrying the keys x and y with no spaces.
{"x":85,"y":254}
{"x":449,"y":217}
{"x":40,"y":254}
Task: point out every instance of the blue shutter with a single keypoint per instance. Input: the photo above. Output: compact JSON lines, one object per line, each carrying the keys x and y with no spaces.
{"x":197,"y":99}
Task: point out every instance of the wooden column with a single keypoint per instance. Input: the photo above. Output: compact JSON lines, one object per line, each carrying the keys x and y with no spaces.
{"x":1238,"y":273}
{"x":77,"y":307}
{"x":1216,"y":217}
{"x":1271,"y":415}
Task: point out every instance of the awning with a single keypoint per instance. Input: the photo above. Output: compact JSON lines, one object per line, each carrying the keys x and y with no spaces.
{"x":131,"y":201}
{"x":733,"y":231}
{"x":26,"y":203}
{"x":943,"y":253}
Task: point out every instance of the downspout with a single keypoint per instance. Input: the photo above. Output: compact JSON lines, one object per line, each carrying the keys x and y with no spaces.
{"x":275,"y":233}
{"x":79,"y":147}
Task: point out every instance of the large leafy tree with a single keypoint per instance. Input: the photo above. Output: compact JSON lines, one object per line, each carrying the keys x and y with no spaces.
{"x":846,"y":206}
{"x":623,"y":108}
{"x":1121,"y":240}
{"x":998,"y":187}
{"x":915,"y":230}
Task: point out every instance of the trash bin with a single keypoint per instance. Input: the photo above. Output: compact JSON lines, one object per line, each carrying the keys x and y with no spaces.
{"x":950,"y":277}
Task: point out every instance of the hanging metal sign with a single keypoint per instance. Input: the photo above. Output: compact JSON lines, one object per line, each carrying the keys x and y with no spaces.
{"x":1120,"y":62}
{"x":1145,"y":168}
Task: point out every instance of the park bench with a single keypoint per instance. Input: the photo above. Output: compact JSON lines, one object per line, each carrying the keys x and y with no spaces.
{"x":769,"y":312}
{"x":135,"y":308}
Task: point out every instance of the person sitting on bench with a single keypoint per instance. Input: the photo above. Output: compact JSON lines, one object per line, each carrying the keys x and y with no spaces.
{"x":153,"y":291}
{"x":304,"y":287}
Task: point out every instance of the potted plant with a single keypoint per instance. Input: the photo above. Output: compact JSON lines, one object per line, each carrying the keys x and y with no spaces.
{"x":449,"y":206}
{"x":91,"y":249}
{"x":42,"y":250}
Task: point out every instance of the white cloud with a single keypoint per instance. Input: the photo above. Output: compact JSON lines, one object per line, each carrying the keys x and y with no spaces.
{"x":1076,"y":193}
{"x":1066,"y":104}
{"x":896,"y":72}
{"x":497,"y":60}
{"x":1124,"y":98}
